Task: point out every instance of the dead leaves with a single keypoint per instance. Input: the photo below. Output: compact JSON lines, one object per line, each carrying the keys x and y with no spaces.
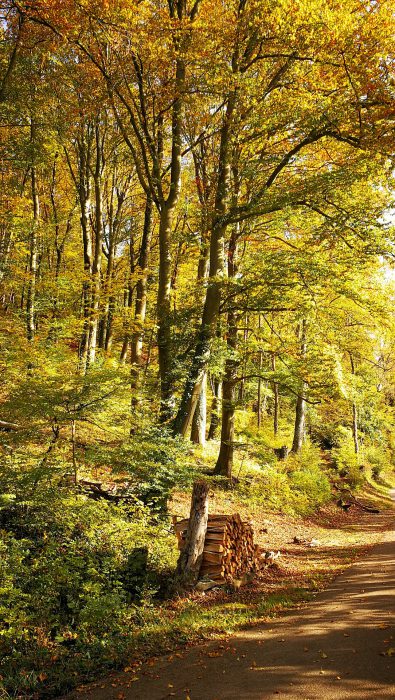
{"x":389,"y":652}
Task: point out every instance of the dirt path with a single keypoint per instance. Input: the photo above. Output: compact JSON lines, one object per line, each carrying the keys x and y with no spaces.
{"x":338,"y":646}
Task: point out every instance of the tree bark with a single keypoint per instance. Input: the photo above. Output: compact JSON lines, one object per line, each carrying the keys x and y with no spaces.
{"x":190,"y":559}
{"x":215,"y":410}
{"x":354,"y":412}
{"x":128,"y":298}
{"x":141,"y":286}
{"x":97,"y":258}
{"x":198,"y":431}
{"x":182,"y":423}
{"x":84,"y":196}
{"x":300,"y":412}
{"x":32,"y":266}
{"x":165,"y":349}
{"x":259,"y":397}
{"x":300,"y":415}
{"x":276,"y":399}
{"x":224,"y":464}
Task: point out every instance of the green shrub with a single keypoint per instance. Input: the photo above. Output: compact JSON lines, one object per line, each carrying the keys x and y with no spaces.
{"x":348,"y":463}
{"x":378,"y":459}
{"x":297,"y":485}
{"x":68,"y":579}
{"x":156,"y":461}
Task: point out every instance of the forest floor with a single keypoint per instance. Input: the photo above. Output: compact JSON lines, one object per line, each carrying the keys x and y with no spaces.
{"x":332,"y":540}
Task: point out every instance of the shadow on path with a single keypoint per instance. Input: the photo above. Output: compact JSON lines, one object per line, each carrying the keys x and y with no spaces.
{"x":338,"y":646}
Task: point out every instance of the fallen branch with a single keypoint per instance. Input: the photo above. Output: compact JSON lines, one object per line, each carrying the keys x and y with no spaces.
{"x":7,"y":427}
{"x":354,"y":501}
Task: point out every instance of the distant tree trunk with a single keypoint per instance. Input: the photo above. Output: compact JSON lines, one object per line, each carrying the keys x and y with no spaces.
{"x":32,"y":269}
{"x":84,"y":155}
{"x":6,"y":238}
{"x":355,"y":428}
{"x":105,"y":330}
{"x":354,"y":412}
{"x":128,"y":298}
{"x":60,"y":242}
{"x":276,"y":399}
{"x":242,"y":382}
{"x":97,"y":258}
{"x":199,"y":420}
{"x":198,"y":431}
{"x":73,"y":451}
{"x":141,"y":286}
{"x":140,"y":312}
{"x":259,"y":397}
{"x":215,"y":410}
{"x":114,"y":220}
{"x":190,"y":559}
{"x":300,"y":412}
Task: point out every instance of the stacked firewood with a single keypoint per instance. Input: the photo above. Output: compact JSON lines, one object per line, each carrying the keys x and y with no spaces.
{"x":229,"y":551}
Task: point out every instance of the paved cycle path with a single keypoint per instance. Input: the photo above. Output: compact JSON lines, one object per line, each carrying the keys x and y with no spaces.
{"x":341,"y":645}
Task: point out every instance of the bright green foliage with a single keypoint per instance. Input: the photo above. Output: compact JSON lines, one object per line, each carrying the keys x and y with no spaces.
{"x":65,"y":560}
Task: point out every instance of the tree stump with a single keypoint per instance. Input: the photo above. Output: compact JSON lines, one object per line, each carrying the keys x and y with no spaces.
{"x":190,"y":559}
{"x":281,"y":452}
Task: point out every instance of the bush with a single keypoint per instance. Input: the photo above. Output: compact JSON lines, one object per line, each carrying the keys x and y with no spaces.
{"x":347,"y":462}
{"x":155,"y":460}
{"x":378,"y":459}
{"x":68,"y":579}
{"x":297,"y":485}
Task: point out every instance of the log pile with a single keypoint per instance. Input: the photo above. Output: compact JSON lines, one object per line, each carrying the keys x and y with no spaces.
{"x":229,"y":552}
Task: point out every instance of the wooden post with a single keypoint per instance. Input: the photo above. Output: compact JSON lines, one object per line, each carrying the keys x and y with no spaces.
{"x":190,"y":559}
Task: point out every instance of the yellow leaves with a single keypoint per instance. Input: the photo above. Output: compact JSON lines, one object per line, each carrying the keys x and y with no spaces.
{"x":389,"y":652}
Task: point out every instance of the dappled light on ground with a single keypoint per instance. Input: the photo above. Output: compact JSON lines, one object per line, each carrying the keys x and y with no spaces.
{"x":340,"y":645}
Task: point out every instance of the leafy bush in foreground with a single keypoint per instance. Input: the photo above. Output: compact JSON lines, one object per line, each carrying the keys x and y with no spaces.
{"x":76,"y":577}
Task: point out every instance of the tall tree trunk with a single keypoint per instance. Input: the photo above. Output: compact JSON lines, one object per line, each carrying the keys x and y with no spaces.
{"x":224,"y":464}
{"x":128,"y":298}
{"x":105,"y":322}
{"x":97,"y":258}
{"x":140,"y":310}
{"x":115,"y":218}
{"x":276,"y":399}
{"x":354,"y":412}
{"x":164,"y":318}
{"x":182,"y":423}
{"x":32,"y":268}
{"x":141,"y":286}
{"x":198,"y":431}
{"x":242,"y":381}
{"x":300,"y":412}
{"x":5,"y":249}
{"x":215,"y":410}
{"x":84,"y":196}
{"x":300,"y":416}
{"x":260,"y":364}
{"x":199,"y":420}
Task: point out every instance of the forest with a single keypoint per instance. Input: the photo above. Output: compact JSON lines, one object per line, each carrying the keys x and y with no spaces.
{"x":196,"y":287}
